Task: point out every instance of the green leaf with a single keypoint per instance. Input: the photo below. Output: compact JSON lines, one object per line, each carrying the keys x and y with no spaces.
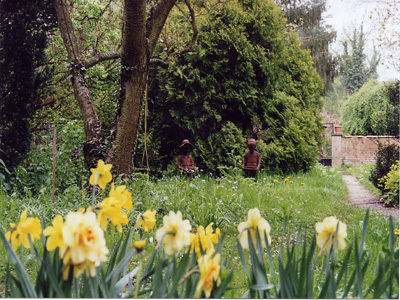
{"x":224,"y":284}
{"x":178,"y":275}
{"x":124,"y":281}
{"x":116,"y":272}
{"x":27,"y":288}
{"x":262,"y":287}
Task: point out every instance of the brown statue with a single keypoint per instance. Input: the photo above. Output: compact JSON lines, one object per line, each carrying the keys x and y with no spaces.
{"x":251,"y":162}
{"x":185,"y":160}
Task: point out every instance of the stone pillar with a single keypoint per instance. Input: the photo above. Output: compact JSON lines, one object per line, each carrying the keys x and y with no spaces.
{"x":337,"y":150}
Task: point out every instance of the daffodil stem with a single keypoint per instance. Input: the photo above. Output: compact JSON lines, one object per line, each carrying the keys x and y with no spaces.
{"x":138,"y":275}
{"x":94,"y":188}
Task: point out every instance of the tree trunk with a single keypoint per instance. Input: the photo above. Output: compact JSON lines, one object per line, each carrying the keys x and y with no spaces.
{"x":82,"y":94}
{"x":139,"y":37}
{"x":138,"y":42}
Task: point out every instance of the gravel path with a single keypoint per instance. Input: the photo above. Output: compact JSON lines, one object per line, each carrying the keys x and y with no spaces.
{"x":361,"y":197}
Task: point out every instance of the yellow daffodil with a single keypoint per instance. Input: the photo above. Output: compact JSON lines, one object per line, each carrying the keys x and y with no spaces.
{"x":111,"y":211}
{"x":54,"y":232}
{"x":254,"y":220}
{"x":139,"y":245}
{"x":204,"y":239}
{"x":326,"y":228}
{"x":175,"y":233}
{"x":84,"y":244}
{"x":210,"y":274}
{"x":122,"y":195}
{"x":147,"y":220}
{"x":19,"y":234}
{"x":102,"y":173}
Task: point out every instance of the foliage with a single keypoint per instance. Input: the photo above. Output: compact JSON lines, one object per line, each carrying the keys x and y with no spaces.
{"x":373,"y":110}
{"x":335,"y":97}
{"x":386,"y":156}
{"x":353,"y":66}
{"x":302,"y":274}
{"x":225,"y":148}
{"x":299,"y":200}
{"x":391,"y":185}
{"x":314,"y":35}
{"x":36,"y":172}
{"x":24,"y":26}
{"x":262,"y":81}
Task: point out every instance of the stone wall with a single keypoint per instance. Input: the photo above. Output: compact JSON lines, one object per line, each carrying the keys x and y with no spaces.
{"x":357,"y":150}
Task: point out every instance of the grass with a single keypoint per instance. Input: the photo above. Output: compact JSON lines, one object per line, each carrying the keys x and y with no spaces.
{"x":287,"y":203}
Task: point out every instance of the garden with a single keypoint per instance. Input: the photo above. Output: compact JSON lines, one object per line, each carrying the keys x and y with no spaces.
{"x":98,"y":95}
{"x":143,"y":236}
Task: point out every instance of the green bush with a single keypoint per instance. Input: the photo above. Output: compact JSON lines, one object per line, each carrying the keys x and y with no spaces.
{"x":391,"y":184}
{"x":246,"y":69}
{"x":373,"y":110}
{"x":224,"y":148}
{"x":386,"y":156}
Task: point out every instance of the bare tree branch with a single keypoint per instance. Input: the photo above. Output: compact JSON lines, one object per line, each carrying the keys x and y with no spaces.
{"x":98,"y":23}
{"x":189,"y":47}
{"x":90,"y":62}
{"x":158,"y":15}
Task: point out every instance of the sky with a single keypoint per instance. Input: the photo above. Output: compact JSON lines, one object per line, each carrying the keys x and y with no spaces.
{"x":344,"y":16}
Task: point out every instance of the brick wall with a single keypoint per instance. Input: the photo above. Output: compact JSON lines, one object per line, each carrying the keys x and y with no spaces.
{"x":357,"y":150}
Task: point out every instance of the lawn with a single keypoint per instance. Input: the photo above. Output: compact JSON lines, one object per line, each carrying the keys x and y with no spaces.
{"x":287,"y":203}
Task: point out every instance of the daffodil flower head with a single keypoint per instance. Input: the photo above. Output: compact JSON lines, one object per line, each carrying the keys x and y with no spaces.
{"x":122,"y":195}
{"x":326,"y":229}
{"x":19,"y":234}
{"x":254,"y":222}
{"x":204,"y":238}
{"x":84,"y":244}
{"x":111,"y":211}
{"x":147,"y":220}
{"x":210,"y":273}
{"x":101,"y":175}
{"x":55,"y":238}
{"x":175,"y":233}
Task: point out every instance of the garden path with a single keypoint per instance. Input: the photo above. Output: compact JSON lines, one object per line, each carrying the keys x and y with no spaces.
{"x":361,"y":197}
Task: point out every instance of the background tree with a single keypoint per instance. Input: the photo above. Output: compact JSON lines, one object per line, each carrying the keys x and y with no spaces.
{"x":386,"y":13}
{"x":24,"y":29}
{"x":306,"y":17}
{"x":373,"y":110}
{"x":353,"y":65}
{"x":248,"y":75}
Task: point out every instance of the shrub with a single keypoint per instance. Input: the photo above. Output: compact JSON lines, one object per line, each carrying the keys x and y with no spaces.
{"x":224,"y":148}
{"x":246,"y":70}
{"x":373,"y":110}
{"x":386,"y":156}
{"x":391,"y":184}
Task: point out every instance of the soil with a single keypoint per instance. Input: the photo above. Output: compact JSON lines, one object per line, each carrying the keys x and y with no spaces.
{"x":361,"y":197}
